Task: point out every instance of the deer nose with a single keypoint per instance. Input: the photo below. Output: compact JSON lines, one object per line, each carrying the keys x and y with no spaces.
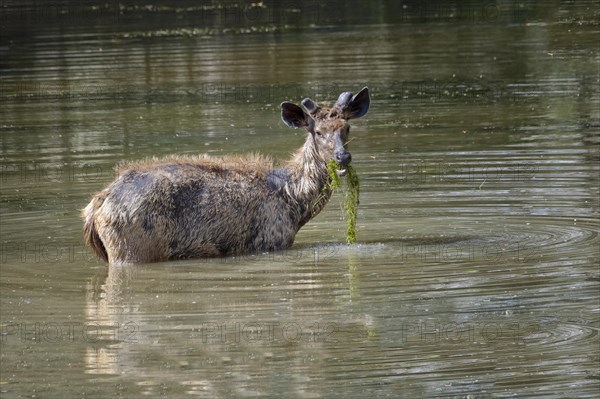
{"x":343,"y":157}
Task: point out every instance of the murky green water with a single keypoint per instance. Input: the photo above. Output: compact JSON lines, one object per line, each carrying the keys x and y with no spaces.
{"x":476,"y":269}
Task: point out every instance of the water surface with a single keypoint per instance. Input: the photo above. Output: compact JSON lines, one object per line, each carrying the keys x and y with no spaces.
{"x":476,"y":268}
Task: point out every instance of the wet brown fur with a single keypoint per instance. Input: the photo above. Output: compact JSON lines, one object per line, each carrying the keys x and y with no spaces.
{"x":254,"y":163}
{"x":201,"y":206}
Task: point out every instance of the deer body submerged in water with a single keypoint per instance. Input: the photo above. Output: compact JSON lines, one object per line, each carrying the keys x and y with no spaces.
{"x":189,"y":207}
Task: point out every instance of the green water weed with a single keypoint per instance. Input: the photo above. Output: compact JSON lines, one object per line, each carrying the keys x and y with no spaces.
{"x":352,"y":196}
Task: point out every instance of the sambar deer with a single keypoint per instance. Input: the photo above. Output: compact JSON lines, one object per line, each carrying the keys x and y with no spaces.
{"x":183,"y":207}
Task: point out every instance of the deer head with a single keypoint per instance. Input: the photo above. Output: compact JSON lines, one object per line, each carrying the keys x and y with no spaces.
{"x":328,"y":127}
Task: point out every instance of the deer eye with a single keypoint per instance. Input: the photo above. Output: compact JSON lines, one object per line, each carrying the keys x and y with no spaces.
{"x":318,"y":132}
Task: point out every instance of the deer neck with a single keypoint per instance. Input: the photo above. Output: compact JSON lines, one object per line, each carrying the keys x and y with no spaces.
{"x":308,"y":183}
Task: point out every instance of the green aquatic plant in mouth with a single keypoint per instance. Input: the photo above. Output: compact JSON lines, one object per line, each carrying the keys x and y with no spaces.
{"x":352,"y":194}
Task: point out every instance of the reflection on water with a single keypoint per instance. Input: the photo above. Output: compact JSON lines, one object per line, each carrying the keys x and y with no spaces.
{"x":475,"y":272}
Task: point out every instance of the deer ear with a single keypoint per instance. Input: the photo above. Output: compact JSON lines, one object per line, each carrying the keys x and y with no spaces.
{"x":358,"y":105}
{"x":294,"y":116}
